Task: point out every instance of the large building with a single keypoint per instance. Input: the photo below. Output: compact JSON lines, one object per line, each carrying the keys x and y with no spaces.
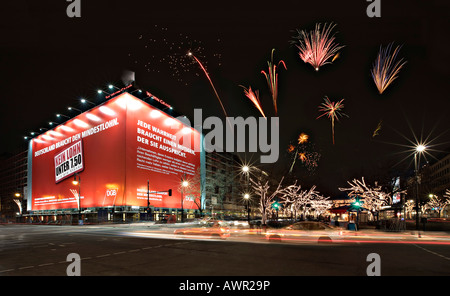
{"x":433,"y":180}
{"x":116,"y":161}
{"x":440,"y":176}
{"x":13,"y":181}
{"x":225,"y":186}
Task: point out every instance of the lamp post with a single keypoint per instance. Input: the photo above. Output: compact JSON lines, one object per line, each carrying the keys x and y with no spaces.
{"x":77,"y":181}
{"x":419,"y":149}
{"x":72,"y":108}
{"x":247,"y":197}
{"x":184,"y":184}
{"x":83,"y":100}
{"x":62,"y":115}
{"x":148,"y":200}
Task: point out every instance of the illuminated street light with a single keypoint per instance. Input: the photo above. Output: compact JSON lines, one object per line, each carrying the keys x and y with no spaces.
{"x":184,"y":184}
{"x":420,"y":148}
{"x":72,"y":108}
{"x":247,"y":198}
{"x":59,"y":115}
{"x":83,"y":100}
{"x":77,"y":181}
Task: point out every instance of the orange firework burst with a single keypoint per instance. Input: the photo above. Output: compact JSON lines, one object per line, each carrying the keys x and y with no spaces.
{"x":291,"y":148}
{"x":302,"y":157}
{"x":333,"y":111}
{"x":254,"y":97}
{"x":272,"y":80}
{"x":317,"y":47}
{"x":303,"y":138}
{"x":385,"y":69}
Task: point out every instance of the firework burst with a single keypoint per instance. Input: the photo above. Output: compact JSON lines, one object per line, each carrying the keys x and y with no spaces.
{"x":254,"y":97}
{"x":272,"y":80}
{"x":304,"y":151}
{"x":386,"y":67}
{"x":333,"y":110}
{"x":317,"y":47}
{"x":302,"y":138}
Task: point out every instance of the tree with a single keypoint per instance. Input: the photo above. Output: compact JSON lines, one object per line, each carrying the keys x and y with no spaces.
{"x":265,"y":197}
{"x":196,"y":191}
{"x":373,"y":196}
{"x":320,"y":204}
{"x":438,"y":203}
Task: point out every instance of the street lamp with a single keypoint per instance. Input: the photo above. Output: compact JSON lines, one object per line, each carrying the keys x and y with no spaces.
{"x":83,"y":100}
{"x":184,"y":184}
{"x":247,"y":197}
{"x":419,"y":149}
{"x":77,"y":181}
{"x":59,"y":115}
{"x":72,"y":108}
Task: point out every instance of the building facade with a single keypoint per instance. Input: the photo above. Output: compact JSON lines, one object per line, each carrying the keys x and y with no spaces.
{"x":13,"y":185}
{"x":225,"y":185}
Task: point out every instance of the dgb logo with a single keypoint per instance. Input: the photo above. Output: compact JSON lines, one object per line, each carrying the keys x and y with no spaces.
{"x":111,"y":192}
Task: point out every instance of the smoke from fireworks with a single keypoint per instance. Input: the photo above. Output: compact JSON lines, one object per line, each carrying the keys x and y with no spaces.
{"x":385,"y":69}
{"x":317,"y":47}
{"x":272,"y":80}
{"x":333,"y":111}
{"x":254,"y":97}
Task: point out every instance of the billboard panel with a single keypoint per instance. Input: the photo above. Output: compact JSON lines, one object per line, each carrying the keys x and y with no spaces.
{"x":115,"y":149}
{"x":160,"y":150}
{"x":91,"y":145}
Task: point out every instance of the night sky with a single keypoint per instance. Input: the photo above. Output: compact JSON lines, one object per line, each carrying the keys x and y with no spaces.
{"x":48,"y":61}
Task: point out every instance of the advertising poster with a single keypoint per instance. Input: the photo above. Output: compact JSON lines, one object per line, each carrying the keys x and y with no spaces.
{"x":114,"y":149}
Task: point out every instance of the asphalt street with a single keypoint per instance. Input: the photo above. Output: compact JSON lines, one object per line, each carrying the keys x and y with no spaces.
{"x":131,"y":250}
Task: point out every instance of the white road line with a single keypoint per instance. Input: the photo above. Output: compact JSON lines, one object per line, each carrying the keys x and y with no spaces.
{"x":46,"y":264}
{"x":6,"y":270}
{"x":118,"y":253}
{"x":431,"y":252}
{"x":105,"y":255}
{"x":26,"y":267}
